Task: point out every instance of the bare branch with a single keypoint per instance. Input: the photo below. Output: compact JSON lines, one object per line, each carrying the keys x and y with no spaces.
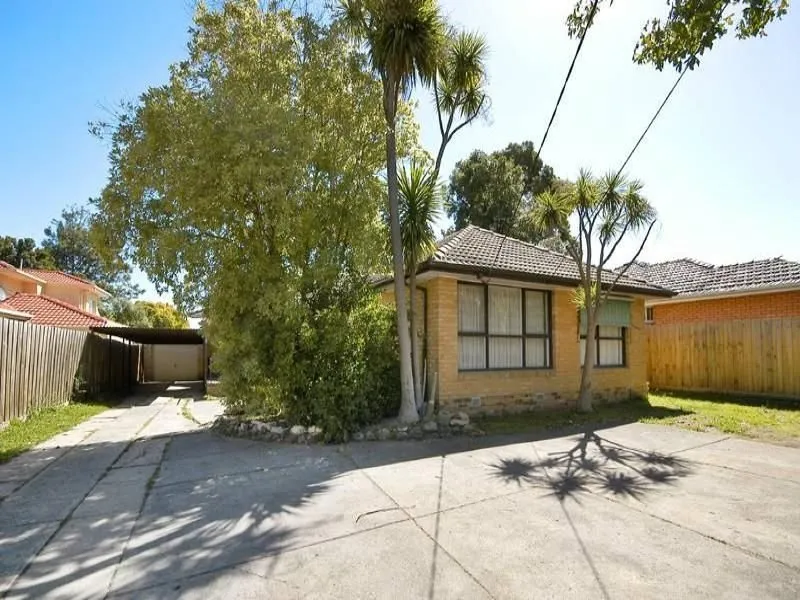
{"x":624,"y":269}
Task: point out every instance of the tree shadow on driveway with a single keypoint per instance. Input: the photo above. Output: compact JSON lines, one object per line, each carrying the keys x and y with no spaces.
{"x":595,"y":464}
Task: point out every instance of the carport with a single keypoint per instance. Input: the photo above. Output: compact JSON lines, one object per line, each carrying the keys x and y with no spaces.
{"x":167,"y":354}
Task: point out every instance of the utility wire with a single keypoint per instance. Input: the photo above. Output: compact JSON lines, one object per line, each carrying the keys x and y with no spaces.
{"x":592,"y":12}
{"x":569,"y":74}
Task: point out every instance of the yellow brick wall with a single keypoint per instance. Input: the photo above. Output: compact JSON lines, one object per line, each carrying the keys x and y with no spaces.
{"x":526,"y":389}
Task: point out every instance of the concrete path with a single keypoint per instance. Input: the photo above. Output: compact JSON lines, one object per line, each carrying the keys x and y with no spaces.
{"x":143,"y":503}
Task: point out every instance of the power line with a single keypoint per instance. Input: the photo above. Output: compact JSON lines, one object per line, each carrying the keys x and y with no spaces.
{"x":589,"y":20}
{"x":650,"y":124}
{"x":569,"y":74}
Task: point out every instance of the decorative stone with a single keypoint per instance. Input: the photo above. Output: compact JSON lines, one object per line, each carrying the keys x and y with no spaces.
{"x":259,"y":426}
{"x":314,"y":432}
{"x":415,"y":432}
{"x":430,"y":426}
{"x":458,"y":421}
{"x":384,"y":434}
{"x":443,"y":418}
{"x":277,"y":430}
{"x":370,"y":435}
{"x":358,"y":436}
{"x":402,"y":435}
{"x":298,"y":430}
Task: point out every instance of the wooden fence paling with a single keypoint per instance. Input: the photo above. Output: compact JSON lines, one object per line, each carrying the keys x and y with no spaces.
{"x":39,"y":364}
{"x":758,"y":356}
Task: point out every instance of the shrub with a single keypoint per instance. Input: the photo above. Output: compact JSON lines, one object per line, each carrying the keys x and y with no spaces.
{"x":312,"y":358}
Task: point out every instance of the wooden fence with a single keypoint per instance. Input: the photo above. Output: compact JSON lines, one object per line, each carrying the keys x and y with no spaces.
{"x":759,"y":356}
{"x":43,"y":366}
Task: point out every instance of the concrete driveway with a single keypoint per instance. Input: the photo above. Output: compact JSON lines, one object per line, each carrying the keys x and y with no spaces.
{"x":143,"y":503}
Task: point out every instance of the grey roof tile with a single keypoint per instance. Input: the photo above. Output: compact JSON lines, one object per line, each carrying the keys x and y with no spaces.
{"x":693,"y":278}
{"x":478,"y":250}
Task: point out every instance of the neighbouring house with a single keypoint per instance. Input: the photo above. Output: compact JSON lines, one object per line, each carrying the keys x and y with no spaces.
{"x":49,"y":298}
{"x":760,"y":289}
{"x":500,"y":330}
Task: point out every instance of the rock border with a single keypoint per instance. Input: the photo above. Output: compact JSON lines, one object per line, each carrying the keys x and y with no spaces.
{"x":443,"y":425}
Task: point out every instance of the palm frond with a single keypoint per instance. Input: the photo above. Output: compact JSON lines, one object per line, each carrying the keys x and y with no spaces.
{"x":462,"y":74}
{"x":420,"y":207}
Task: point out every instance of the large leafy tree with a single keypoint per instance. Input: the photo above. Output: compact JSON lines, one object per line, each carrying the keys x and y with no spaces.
{"x":143,"y":313}
{"x":250,"y":185}
{"x":690,"y":27}
{"x":419,"y":209}
{"x":592,"y":217}
{"x":67,"y":240}
{"x":405,"y":40}
{"x":496,"y":191}
{"x":23,"y":252}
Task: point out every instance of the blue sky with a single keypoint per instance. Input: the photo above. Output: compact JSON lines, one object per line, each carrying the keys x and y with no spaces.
{"x":719,"y":164}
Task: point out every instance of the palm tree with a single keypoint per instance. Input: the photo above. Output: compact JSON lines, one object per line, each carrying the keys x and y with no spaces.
{"x":604,"y":210}
{"x":405,"y":39}
{"x":420,"y":202}
{"x":460,"y":86}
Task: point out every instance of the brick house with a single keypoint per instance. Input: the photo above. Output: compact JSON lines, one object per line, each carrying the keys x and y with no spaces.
{"x":47,"y":297}
{"x":500,"y":330}
{"x":760,"y":289}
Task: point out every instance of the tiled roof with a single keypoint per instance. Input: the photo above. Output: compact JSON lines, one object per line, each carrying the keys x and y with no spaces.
{"x":50,"y":311}
{"x":480,"y":251}
{"x":678,"y":275}
{"x":15,"y":271}
{"x":57,"y":276}
{"x":693,"y":278}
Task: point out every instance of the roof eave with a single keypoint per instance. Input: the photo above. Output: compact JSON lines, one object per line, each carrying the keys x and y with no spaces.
{"x":714,"y":294}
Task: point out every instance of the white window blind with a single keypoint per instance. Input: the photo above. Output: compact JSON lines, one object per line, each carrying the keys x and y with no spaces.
{"x":516,"y":335}
{"x":610,"y":347}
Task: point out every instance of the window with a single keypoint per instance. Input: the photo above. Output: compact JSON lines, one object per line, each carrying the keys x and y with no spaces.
{"x":3,"y":294}
{"x":610,"y":346}
{"x":648,"y":314}
{"x":502,"y":328}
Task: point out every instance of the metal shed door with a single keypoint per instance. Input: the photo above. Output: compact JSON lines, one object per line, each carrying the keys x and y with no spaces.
{"x":178,"y":362}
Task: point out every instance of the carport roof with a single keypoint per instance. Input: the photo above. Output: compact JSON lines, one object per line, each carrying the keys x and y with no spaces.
{"x":153,"y":335}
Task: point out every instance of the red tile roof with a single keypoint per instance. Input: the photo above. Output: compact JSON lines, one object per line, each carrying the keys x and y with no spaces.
{"x":15,"y":271}
{"x":50,"y":311}
{"x":57,"y":276}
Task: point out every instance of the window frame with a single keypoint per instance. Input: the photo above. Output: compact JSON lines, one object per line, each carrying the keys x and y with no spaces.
{"x":649,"y":314}
{"x":524,"y":336}
{"x":597,"y":339}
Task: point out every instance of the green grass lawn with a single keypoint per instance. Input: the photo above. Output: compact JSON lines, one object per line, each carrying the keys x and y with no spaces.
{"x":761,"y":418}
{"x":19,"y":436}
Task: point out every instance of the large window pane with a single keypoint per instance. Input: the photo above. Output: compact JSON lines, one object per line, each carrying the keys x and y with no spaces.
{"x":610,"y":352}
{"x":536,"y":350}
{"x":505,"y":353}
{"x":609,"y":332}
{"x":505,"y":310}
{"x":471,"y":310}
{"x":535,"y":312}
{"x":471,"y":352}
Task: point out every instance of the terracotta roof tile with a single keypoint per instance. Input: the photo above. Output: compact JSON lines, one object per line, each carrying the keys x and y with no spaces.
{"x":51,"y":276}
{"x":481,"y":251}
{"x":693,"y":278}
{"x":50,"y":311}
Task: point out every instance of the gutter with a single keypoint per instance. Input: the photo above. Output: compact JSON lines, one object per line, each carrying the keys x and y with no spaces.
{"x":696,"y":297}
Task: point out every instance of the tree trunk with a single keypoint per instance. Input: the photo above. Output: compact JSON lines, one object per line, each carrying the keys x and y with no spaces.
{"x":416,"y":365}
{"x":408,"y":406}
{"x":585,"y":397}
